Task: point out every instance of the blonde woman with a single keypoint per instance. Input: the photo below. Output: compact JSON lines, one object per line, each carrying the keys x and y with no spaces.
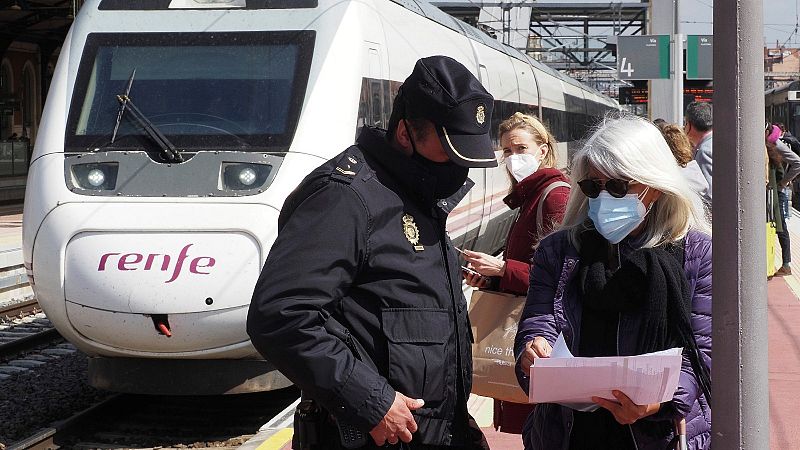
{"x":628,"y":273}
{"x":540,"y":191}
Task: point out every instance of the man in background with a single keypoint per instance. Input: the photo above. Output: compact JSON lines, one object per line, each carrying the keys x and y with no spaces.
{"x":698,"y":125}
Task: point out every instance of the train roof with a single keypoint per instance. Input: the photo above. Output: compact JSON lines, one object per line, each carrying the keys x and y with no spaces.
{"x":421,"y":7}
{"x":437,"y":15}
{"x":792,"y":86}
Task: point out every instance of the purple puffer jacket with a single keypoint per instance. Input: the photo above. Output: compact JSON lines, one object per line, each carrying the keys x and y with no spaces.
{"x":553,"y":306}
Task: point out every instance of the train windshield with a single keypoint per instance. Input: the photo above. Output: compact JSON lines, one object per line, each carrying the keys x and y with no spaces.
{"x":203,"y":91}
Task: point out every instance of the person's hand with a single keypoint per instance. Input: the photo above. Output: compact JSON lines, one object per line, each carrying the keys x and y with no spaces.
{"x":398,"y":423}
{"x":537,"y":348}
{"x":626,"y":412}
{"x":475,"y":280}
{"x":486,"y":265}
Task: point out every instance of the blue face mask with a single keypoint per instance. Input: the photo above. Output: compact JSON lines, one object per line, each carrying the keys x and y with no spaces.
{"x":615,"y":218}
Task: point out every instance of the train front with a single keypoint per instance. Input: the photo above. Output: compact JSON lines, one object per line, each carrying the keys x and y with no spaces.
{"x":155,"y":188}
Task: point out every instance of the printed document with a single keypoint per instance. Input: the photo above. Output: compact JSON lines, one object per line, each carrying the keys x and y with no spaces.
{"x":572,"y":382}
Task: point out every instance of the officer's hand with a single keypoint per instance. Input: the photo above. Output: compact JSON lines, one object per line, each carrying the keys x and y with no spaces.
{"x":398,"y":423}
{"x":537,"y":348}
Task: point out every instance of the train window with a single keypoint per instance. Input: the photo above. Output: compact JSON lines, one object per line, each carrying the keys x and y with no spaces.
{"x":556,"y":121}
{"x":375,"y":103}
{"x":167,"y":4}
{"x":202,"y":90}
{"x":376,"y":89}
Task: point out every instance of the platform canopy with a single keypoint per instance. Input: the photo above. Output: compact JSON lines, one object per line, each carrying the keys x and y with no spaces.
{"x":43,"y":22}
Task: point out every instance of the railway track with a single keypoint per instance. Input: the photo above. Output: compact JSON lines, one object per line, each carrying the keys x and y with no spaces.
{"x":47,"y":438}
{"x":24,"y":329}
{"x":19,"y":309}
{"x":141,"y":421}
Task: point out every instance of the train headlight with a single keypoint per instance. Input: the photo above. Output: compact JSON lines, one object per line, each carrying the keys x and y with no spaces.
{"x":95,"y":176}
{"x":244,"y":176}
{"x":247,"y":176}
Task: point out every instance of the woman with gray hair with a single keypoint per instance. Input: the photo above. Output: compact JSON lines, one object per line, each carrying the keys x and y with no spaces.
{"x":628,"y":273}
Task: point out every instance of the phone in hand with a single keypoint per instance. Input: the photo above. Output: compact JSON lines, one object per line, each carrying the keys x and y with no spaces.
{"x":470,"y":271}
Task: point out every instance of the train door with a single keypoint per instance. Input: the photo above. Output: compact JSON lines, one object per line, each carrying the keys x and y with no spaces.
{"x":375,"y":102}
{"x":502,"y":84}
{"x":464,"y":222}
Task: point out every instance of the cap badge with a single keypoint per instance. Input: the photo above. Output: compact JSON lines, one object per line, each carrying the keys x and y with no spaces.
{"x":412,"y":232}
{"x":480,"y":114}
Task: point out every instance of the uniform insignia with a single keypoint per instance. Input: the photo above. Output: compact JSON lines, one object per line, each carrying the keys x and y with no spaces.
{"x":345,"y":172}
{"x":412,"y":232}
{"x":346,"y":169}
{"x":480,"y":114}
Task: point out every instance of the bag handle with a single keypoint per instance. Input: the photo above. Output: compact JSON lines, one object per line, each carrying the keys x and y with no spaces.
{"x":540,"y":207}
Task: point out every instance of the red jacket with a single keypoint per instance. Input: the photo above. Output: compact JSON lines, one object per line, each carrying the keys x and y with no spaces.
{"x":523,"y":235}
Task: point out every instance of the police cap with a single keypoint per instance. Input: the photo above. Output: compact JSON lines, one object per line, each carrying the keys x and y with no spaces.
{"x":445,"y":92}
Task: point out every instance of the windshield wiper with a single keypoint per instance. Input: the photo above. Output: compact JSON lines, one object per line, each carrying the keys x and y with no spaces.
{"x":122,"y":107}
{"x":171,"y":153}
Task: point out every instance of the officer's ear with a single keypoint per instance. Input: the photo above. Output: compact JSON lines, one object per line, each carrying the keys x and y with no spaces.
{"x":398,"y":112}
{"x":402,"y":137}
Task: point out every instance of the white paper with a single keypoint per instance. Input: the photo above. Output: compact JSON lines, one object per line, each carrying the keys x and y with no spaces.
{"x":565,"y":379}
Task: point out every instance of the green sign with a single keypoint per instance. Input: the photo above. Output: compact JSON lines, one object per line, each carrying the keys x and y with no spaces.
{"x":699,"y":57}
{"x":643,"y":57}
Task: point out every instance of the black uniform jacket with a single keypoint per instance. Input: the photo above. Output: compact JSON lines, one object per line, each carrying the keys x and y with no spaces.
{"x":363,"y":240}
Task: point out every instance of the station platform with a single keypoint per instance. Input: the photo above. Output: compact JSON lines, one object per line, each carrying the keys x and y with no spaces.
{"x":13,"y":280}
{"x":784,"y":354}
{"x":784,"y":372}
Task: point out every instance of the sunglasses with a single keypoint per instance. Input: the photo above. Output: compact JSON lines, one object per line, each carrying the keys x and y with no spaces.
{"x":614,"y":186}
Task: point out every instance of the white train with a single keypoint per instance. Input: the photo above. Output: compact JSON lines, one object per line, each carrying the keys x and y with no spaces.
{"x":146,"y":226}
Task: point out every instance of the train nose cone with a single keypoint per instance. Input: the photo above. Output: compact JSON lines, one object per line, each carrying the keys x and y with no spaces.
{"x":161,"y":273}
{"x":118,"y":283}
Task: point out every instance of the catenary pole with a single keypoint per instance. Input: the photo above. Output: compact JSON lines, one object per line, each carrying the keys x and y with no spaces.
{"x":740,"y":383}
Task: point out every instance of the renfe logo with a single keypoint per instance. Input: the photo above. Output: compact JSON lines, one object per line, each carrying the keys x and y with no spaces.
{"x":132,"y":261}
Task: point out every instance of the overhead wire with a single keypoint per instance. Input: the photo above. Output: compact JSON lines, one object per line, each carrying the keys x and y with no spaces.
{"x":796,"y":26}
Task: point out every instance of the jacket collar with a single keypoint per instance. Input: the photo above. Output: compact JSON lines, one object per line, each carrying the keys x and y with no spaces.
{"x":707,"y":137}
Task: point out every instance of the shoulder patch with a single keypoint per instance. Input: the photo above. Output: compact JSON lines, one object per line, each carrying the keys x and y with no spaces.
{"x":346,"y":168}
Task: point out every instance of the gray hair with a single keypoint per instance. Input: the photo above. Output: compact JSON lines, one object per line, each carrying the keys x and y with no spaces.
{"x":631,"y":148}
{"x":700,"y":115}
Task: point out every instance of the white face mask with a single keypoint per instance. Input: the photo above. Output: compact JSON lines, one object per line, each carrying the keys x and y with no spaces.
{"x":522,"y":165}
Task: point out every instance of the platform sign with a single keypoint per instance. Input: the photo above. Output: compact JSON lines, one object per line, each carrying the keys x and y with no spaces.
{"x":633,"y":95}
{"x":699,"y":57}
{"x":643,"y":57}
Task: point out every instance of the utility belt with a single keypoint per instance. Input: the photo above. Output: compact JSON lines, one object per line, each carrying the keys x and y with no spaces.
{"x":317,"y":429}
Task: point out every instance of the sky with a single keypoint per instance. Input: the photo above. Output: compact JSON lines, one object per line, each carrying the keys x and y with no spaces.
{"x":780,"y":18}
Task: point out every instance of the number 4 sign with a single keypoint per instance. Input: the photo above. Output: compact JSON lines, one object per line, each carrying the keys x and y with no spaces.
{"x":626,"y":68}
{"x":643,"y":57}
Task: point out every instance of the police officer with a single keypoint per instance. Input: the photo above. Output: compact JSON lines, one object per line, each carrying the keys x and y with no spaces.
{"x":360,"y":302}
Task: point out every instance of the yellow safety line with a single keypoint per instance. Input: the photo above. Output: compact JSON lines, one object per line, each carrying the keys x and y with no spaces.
{"x":277,"y":440}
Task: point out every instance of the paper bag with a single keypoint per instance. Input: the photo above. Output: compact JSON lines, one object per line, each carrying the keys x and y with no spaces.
{"x":494,"y":317}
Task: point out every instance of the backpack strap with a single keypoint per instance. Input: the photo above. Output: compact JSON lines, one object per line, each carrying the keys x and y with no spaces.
{"x":540,"y":207}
